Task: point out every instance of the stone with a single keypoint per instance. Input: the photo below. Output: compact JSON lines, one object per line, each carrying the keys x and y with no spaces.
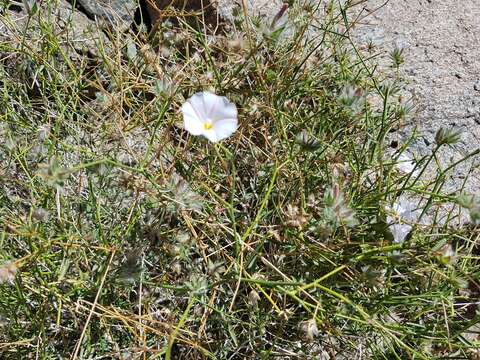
{"x":442,"y":62}
{"x":81,"y":32}
{"x":116,"y":13}
{"x":476,"y":86}
{"x":153,"y":10}
{"x":10,"y":20}
{"x":260,"y":8}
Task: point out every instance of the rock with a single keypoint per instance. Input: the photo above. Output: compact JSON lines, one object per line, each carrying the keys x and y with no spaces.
{"x":442,"y":61}
{"x":83,"y":33}
{"x":9,"y":21}
{"x":152,"y":12}
{"x":261,"y":8}
{"x":476,"y":86}
{"x":117,"y":13}
{"x":439,"y":70}
{"x":77,"y":34}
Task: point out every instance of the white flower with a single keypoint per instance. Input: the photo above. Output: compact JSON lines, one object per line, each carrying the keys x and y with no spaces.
{"x":399,"y":224}
{"x":405,"y":164}
{"x":212,"y":116}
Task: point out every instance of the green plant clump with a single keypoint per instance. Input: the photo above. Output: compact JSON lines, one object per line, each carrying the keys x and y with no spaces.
{"x":124,"y":237}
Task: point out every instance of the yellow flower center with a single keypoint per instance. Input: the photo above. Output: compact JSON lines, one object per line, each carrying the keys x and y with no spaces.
{"x":208,"y":126}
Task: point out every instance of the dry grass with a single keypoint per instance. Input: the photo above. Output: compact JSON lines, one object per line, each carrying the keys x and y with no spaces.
{"x":124,"y":237}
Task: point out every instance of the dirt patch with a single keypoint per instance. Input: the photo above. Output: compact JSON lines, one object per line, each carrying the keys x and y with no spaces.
{"x":441,"y":46}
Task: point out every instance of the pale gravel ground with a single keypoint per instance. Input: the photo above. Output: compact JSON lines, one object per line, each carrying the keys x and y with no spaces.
{"x":256,"y":7}
{"x":441,"y":39}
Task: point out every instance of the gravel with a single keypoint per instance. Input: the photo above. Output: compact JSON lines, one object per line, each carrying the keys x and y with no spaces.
{"x":442,"y":64}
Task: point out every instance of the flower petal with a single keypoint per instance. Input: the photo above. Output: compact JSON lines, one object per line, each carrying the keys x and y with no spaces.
{"x":405,"y":164}
{"x":225,"y":110}
{"x":211,"y":135}
{"x":211,"y":103}
{"x":225,"y":128}
{"x":400,"y":232}
{"x":198,"y":104}
{"x":191,"y":121}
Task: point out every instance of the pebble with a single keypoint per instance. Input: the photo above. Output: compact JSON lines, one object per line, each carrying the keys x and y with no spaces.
{"x":476,"y":86}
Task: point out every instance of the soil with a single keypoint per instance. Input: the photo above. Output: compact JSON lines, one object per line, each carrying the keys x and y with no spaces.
{"x":441,"y":42}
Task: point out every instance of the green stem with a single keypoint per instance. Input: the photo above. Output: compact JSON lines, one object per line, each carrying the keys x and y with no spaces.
{"x":171,"y":341}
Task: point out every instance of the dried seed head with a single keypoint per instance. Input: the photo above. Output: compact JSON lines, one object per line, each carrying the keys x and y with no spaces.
{"x":236,"y":45}
{"x":7,"y":272}
{"x":131,"y":268}
{"x":165,"y":87}
{"x":215,"y":268}
{"x":340,"y":171}
{"x":40,"y":214}
{"x":309,"y":329}
{"x":185,"y":198}
{"x":176,"y":268}
{"x":164,"y":51}
{"x":199,"y":310}
{"x":52,"y":173}
{"x":446,"y":255}
{"x":311,"y":201}
{"x":275,"y":234}
{"x":295,"y":217}
{"x":253,"y":298}
{"x":351,"y":98}
{"x":197,"y":284}
{"x":447,"y":136}
{"x":183,"y":237}
{"x":374,"y":277}
{"x":336,"y":208}
{"x":307,"y":141}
